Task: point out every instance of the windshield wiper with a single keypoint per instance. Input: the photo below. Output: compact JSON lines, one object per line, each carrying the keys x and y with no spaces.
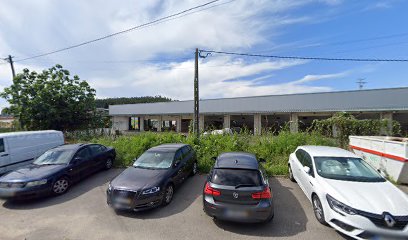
{"x":245,"y":185}
{"x":51,"y":164}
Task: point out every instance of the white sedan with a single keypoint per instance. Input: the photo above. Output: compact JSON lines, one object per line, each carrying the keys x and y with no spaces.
{"x":348,"y":194}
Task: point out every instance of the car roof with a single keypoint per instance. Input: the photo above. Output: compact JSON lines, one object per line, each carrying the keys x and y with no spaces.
{"x":325,"y":151}
{"x":171,"y":147}
{"x":240,"y":160}
{"x":71,"y":146}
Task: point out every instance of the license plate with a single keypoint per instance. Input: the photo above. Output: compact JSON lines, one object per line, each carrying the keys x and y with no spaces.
{"x":236,"y":213}
{"x":123,"y":200}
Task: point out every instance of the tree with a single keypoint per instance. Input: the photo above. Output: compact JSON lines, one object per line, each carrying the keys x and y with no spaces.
{"x":5,"y":111}
{"x":104,"y":103}
{"x":51,"y":99}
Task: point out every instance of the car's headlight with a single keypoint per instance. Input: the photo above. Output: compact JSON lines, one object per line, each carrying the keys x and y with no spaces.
{"x":109,"y":187}
{"x":339,"y":206}
{"x":151,"y":190}
{"x":36,"y":183}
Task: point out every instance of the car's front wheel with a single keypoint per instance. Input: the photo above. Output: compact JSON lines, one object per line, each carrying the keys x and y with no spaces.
{"x":60,"y":186}
{"x":168,"y":194}
{"x":318,"y":210}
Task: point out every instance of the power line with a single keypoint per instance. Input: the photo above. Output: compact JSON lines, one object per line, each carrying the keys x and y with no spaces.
{"x":308,"y":58}
{"x":121,"y":32}
{"x":347,"y":42}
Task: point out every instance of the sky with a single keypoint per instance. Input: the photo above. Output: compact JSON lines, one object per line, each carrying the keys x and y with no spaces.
{"x":159,"y":59}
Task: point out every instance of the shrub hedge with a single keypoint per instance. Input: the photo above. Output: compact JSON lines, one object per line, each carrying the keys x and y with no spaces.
{"x":274,"y":149}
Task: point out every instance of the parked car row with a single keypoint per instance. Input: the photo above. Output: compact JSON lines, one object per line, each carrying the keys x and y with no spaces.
{"x":345,"y":192}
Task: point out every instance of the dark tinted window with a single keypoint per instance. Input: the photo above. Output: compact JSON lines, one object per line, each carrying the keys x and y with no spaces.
{"x":185,"y":150}
{"x":83,"y":153}
{"x":305,"y":159}
{"x":299,"y":155}
{"x":234,"y":177}
{"x":1,"y":145}
{"x":96,"y":149}
{"x":178,"y":156}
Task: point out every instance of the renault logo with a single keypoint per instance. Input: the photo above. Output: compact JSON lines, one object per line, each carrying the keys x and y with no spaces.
{"x":389,"y":220}
{"x":235,"y":195}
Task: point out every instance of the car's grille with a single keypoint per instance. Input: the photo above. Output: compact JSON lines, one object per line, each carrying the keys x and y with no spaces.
{"x":378,"y":220}
{"x":124,"y":193}
{"x":12,"y":184}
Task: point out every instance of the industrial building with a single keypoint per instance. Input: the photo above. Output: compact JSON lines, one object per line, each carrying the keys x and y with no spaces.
{"x":263,"y":112}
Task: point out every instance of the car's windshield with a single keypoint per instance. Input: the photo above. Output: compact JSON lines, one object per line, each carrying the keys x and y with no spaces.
{"x":236,"y":177}
{"x":155,"y":160}
{"x":347,"y":169}
{"x":54,"y":157}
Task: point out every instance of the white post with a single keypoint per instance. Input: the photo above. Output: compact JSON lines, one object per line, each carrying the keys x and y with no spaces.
{"x":141,"y":120}
{"x":294,"y":123}
{"x":227,"y":121}
{"x":178,"y":123}
{"x":160,"y":119}
{"x":257,"y":124}
{"x":201,"y":123}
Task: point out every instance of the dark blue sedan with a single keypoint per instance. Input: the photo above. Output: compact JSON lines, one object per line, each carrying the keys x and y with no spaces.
{"x":55,"y":170}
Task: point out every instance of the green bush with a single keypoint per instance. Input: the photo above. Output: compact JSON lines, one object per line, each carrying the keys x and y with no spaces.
{"x":346,"y":124}
{"x":274,"y":149}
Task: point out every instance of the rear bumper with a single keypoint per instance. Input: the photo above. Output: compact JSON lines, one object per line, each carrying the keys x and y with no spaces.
{"x":24,"y":193}
{"x":136,"y":204}
{"x":261,"y":212}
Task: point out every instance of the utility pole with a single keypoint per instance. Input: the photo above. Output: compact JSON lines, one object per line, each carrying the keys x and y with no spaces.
{"x":196,"y":99}
{"x":10,"y":60}
{"x":361,"y":83}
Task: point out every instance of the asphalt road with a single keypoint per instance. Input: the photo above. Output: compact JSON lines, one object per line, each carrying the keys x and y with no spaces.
{"x":82,"y":213}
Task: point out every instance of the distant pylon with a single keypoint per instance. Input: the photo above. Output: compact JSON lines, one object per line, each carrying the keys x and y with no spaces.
{"x":361,"y":83}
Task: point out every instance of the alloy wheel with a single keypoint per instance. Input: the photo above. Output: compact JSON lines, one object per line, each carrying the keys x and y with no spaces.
{"x":60,"y":186}
{"x":291,"y":177}
{"x":108,"y":164}
{"x":169,"y":194}
{"x":318,"y":210}
{"x":195,"y":168}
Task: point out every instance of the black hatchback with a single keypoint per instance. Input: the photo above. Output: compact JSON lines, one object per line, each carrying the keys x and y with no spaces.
{"x":152,"y":179}
{"x":237,"y":189}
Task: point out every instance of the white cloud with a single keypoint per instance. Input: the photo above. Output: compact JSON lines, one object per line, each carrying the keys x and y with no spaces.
{"x":379,"y":5}
{"x":312,"y":78}
{"x":32,"y":27}
{"x":220,"y":77}
{"x":331,"y":2}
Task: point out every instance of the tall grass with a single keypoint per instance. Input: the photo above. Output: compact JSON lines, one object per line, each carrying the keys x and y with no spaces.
{"x":274,"y":149}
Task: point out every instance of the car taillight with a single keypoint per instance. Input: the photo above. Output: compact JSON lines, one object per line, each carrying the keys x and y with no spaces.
{"x":211,"y":191}
{"x":266,"y":194}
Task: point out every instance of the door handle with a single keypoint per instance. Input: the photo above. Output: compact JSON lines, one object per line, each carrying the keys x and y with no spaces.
{"x":4,"y":155}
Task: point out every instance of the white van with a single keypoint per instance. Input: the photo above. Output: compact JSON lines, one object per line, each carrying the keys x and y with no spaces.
{"x":21,"y":148}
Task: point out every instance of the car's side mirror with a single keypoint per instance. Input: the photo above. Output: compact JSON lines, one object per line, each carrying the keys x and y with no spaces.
{"x":381,"y":173}
{"x":262,"y":160}
{"x":306,"y":169}
{"x":176,"y":163}
{"x":76,"y":160}
{"x":214,"y":158}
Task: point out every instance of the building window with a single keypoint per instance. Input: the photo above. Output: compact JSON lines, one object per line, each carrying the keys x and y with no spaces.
{"x":134,"y":123}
